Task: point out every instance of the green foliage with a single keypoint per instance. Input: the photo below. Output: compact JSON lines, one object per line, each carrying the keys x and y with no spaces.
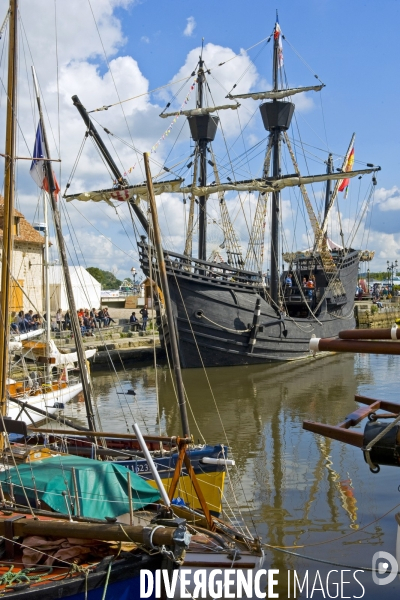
{"x":374,"y":309}
{"x":108,"y":280}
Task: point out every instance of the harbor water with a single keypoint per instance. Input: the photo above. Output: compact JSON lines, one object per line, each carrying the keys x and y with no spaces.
{"x":307,"y":495}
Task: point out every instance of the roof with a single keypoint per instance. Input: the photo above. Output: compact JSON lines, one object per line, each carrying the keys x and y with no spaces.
{"x":26,"y":232}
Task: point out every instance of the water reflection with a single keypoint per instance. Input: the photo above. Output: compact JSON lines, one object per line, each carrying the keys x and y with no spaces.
{"x":294,"y":488}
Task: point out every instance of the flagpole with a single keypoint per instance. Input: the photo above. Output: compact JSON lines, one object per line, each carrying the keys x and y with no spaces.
{"x":86,"y":384}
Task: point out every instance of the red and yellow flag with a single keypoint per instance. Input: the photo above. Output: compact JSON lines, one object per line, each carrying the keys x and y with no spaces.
{"x":349,"y":167}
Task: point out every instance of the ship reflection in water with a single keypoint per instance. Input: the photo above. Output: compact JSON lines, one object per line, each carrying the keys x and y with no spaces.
{"x":313,"y":496}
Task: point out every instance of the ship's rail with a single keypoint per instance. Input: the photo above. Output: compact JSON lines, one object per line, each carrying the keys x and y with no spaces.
{"x":215,"y":272}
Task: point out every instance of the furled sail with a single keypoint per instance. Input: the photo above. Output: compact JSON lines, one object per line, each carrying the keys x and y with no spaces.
{"x":278,"y":94}
{"x":195,"y":112}
{"x":138,"y":192}
{"x":270,"y":185}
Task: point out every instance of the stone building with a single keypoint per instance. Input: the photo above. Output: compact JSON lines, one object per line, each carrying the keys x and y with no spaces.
{"x":27,"y":267}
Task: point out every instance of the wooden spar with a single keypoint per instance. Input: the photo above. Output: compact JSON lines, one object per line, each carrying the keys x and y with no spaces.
{"x":341,"y":432}
{"x":383,"y":404}
{"x":167,"y":299}
{"x":9,"y":196}
{"x":105,"y":434}
{"x":371,"y":334}
{"x":352,"y":438}
{"x":87,"y":388}
{"x":353,"y":346}
{"x":89,"y":531}
{"x":92,"y":131}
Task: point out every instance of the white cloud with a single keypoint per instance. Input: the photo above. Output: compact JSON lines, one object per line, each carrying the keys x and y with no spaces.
{"x":145,"y":39}
{"x":190,"y":26}
{"x":388,"y":199}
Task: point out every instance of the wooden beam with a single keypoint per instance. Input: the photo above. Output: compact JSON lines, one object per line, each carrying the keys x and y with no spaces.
{"x":353,"y":438}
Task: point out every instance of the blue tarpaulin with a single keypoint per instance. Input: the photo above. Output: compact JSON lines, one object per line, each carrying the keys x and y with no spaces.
{"x":102,"y":486}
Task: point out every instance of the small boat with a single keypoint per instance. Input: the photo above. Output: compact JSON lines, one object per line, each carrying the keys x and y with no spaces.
{"x":34,"y":350}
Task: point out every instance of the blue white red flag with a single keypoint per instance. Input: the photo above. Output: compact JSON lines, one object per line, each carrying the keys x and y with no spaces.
{"x":38,"y":166}
{"x":278,"y":36}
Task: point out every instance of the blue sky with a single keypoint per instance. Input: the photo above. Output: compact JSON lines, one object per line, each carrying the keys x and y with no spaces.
{"x":353,"y":47}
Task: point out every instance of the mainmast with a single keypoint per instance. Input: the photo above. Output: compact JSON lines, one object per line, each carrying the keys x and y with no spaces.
{"x":276,"y":116}
{"x":203,"y":128}
{"x":9,"y":197}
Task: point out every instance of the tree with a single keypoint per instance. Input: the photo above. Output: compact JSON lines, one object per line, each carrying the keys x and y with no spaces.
{"x":106,"y":278}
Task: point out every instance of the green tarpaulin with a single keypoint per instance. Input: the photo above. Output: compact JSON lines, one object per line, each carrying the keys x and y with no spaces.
{"x":102,"y":486}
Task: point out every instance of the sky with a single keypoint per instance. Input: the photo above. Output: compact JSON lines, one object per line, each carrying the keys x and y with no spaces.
{"x":110,"y":50}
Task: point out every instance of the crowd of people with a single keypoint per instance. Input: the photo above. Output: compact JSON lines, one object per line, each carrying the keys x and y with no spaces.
{"x":23,"y":322}
{"x":89,"y":320}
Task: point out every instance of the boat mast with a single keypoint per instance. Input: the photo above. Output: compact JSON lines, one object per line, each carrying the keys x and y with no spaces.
{"x":275,"y":208}
{"x":203,"y":129}
{"x":202,"y":251}
{"x":92,"y":131}
{"x":9,"y":197}
{"x":329,"y":170}
{"x":276,"y":116}
{"x":83,"y":365}
{"x":168,"y":306}
{"x":46,"y":260}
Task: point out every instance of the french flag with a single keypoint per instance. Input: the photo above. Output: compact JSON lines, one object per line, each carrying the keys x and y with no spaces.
{"x":38,"y":166}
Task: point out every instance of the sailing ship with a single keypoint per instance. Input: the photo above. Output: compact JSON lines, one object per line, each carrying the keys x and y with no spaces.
{"x":226,"y":312}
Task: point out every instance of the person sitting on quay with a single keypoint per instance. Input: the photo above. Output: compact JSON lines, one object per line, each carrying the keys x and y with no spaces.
{"x":29,"y":322}
{"x":377,"y":302}
{"x":93,"y":316}
{"x":13,"y":324}
{"x":101,"y":319}
{"x":88,"y":323}
{"x":37,"y":319}
{"x":107,"y":316}
{"x":134,"y":321}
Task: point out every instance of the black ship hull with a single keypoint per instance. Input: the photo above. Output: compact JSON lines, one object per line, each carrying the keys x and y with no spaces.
{"x":215,"y":312}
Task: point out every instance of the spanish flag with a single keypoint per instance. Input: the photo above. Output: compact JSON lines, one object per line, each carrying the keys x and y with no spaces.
{"x":349,"y":167}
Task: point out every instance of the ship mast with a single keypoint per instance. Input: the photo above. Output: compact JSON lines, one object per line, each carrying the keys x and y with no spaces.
{"x":276,"y":116}
{"x":9,"y":198}
{"x":203,"y":128}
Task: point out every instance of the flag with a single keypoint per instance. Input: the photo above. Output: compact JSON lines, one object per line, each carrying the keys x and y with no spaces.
{"x":349,"y":167}
{"x":278,"y":36}
{"x":38,"y":166}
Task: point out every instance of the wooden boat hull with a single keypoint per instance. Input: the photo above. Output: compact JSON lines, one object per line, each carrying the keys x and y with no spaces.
{"x":123,"y":584}
{"x":48,"y":401}
{"x":210,"y":477}
{"x":214,"y":318}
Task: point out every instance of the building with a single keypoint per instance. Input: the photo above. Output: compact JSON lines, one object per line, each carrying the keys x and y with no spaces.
{"x":27,"y":264}
{"x":86,"y":289}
